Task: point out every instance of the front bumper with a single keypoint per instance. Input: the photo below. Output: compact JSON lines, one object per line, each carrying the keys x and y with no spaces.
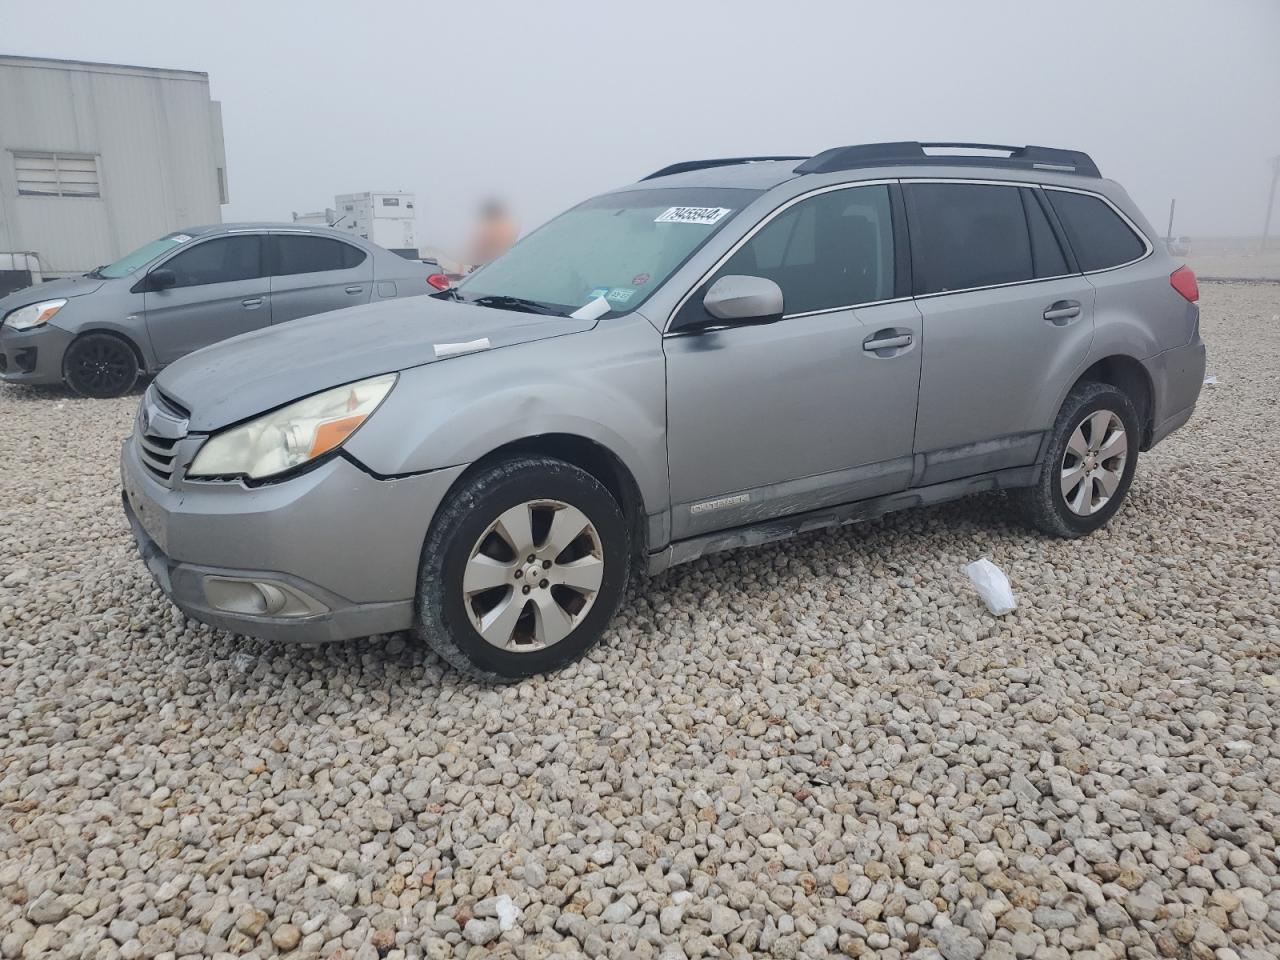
{"x":344,"y":540}
{"x":33,"y":356}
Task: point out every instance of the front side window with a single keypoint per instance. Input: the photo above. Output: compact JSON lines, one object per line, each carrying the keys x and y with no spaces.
{"x":302,"y":254}
{"x":620,"y":246}
{"x":221,"y":260}
{"x":831,"y":250}
{"x":1098,"y":237}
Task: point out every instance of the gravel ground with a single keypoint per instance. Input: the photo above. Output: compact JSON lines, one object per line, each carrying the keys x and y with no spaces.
{"x":823,"y":747}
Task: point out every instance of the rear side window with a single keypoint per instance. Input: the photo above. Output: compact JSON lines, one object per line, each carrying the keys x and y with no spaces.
{"x":1098,"y":237}
{"x":301,"y":254}
{"x":967,"y":235}
{"x":831,"y":250}
{"x":1046,"y":254}
{"x":221,"y":260}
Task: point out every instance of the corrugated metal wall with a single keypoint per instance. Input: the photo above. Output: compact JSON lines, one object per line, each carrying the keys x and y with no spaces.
{"x":158,"y":139}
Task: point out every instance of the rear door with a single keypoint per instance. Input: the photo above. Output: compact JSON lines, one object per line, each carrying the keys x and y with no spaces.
{"x":222,"y":290}
{"x":312,"y":274}
{"x":1007,"y":321}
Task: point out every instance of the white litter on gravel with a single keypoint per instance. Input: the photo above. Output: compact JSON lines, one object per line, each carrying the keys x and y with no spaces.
{"x":992,"y":585}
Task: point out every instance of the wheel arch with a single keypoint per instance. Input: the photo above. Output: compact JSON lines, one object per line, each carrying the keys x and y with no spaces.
{"x":1128,"y":375}
{"x":110,"y":332}
{"x":588,"y":455}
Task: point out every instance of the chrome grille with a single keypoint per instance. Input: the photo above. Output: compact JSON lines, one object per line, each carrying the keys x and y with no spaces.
{"x":161,"y":425}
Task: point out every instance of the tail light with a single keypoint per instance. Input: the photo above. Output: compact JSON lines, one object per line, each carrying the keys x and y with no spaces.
{"x":441,"y":282}
{"x":1184,"y":281}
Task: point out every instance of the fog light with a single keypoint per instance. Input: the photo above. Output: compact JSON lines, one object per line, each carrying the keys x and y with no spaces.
{"x":260,"y":598}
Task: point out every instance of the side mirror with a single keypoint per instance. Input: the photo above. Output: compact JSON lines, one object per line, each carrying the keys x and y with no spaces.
{"x":743,"y":299}
{"x":161,"y":278}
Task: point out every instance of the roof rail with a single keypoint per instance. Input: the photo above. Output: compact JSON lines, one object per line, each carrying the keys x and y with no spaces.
{"x":910,"y":152}
{"x":687,"y":165}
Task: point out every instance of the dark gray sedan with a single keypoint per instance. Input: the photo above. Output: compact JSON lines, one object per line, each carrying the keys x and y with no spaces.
{"x":98,"y":332}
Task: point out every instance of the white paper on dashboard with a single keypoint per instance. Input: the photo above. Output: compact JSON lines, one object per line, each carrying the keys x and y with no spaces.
{"x":592,"y":309}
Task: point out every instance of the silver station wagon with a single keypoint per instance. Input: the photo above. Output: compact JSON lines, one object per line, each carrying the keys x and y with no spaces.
{"x":723,"y":354}
{"x":98,"y":332}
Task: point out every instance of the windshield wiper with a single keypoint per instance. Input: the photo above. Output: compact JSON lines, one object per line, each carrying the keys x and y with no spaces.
{"x":96,"y":272}
{"x":503,"y":302}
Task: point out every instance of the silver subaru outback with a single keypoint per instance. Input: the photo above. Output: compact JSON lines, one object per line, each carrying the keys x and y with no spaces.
{"x":723,"y":354}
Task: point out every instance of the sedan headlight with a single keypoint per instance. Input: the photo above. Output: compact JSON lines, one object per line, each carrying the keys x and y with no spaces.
{"x":292,"y":435}
{"x":33,"y":314}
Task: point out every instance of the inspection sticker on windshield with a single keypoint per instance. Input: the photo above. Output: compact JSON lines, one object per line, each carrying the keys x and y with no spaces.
{"x":620,"y":294}
{"x":706,"y":215}
{"x":180,"y":237}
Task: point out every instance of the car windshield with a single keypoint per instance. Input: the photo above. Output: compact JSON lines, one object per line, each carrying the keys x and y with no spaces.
{"x":620,"y":246}
{"x":141,"y":257}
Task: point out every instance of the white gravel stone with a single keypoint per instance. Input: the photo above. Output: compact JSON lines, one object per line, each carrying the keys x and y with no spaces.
{"x":824,"y":747}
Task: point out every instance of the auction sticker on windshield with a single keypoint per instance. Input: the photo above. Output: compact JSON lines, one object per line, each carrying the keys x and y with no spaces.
{"x":707,"y":215}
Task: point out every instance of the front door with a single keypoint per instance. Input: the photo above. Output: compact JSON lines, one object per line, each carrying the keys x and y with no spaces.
{"x":312,"y":274}
{"x":221,"y":290}
{"x":815,"y":409}
{"x":1007,"y":323}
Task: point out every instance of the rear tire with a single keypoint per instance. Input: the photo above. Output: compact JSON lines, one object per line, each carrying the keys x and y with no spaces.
{"x":1093,"y":451}
{"x":523,"y":568}
{"x":100,"y":365}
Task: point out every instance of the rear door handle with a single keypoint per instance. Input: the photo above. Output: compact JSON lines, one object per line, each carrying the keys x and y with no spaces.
{"x":355,"y":289}
{"x":1062,"y":311}
{"x":887,"y":343}
{"x":253,"y":303}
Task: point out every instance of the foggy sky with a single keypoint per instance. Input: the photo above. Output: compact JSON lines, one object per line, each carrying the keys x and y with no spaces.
{"x":546,"y":103}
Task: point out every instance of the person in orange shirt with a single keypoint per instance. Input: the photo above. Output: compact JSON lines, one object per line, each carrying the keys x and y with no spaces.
{"x":494,"y":234}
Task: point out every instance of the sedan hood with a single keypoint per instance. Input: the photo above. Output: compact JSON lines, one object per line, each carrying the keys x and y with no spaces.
{"x":247,"y":375}
{"x":67,"y":287}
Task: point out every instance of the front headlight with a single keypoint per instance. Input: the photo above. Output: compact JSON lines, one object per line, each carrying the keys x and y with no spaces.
{"x":292,"y":435}
{"x":33,"y":314}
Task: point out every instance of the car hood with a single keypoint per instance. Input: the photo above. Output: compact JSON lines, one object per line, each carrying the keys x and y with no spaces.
{"x":250,"y":374}
{"x":53,"y":290}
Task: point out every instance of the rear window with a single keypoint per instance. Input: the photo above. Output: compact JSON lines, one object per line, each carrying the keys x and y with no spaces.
{"x":968,"y":235}
{"x":1098,"y":237}
{"x":300,"y":254}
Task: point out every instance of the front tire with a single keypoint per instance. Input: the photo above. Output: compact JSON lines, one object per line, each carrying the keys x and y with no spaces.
{"x":100,"y":365}
{"x":1089,"y":465}
{"x":523,"y":568}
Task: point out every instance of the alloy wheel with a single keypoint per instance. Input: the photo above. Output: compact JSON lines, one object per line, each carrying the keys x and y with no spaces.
{"x":1093,"y":463}
{"x":102,"y":367}
{"x":533,"y":575}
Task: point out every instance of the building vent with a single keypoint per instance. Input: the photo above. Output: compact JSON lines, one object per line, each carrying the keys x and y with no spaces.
{"x":56,"y":174}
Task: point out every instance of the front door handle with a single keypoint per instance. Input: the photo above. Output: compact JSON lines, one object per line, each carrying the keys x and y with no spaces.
{"x":253,"y":303}
{"x":355,"y":289}
{"x":887,"y":343}
{"x":1062,"y":311}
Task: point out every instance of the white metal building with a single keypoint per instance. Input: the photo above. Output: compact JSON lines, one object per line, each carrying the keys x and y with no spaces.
{"x":385,"y":218}
{"x":97,"y":159}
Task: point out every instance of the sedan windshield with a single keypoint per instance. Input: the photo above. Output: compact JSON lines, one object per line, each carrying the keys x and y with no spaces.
{"x":141,"y":257}
{"x":620,"y":246}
